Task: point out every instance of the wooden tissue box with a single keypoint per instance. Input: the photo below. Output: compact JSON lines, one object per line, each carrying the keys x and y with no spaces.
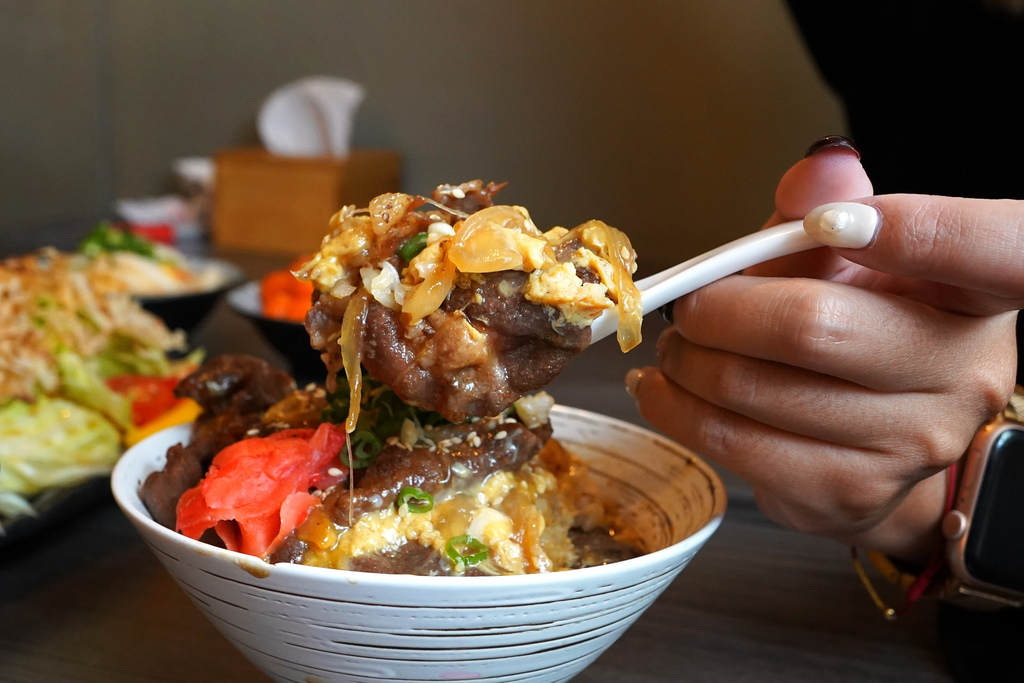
{"x":268,"y":203}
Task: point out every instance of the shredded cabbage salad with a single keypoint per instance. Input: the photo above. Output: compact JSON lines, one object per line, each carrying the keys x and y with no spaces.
{"x":50,"y":443}
{"x":144,"y":267}
{"x":70,"y":338}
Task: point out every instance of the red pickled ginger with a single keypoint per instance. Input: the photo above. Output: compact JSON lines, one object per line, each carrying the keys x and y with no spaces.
{"x":258,"y":490}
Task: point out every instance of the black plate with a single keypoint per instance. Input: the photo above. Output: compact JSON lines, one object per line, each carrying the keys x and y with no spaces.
{"x":290,"y":339}
{"x":187,"y":311}
{"x":55,"y":506}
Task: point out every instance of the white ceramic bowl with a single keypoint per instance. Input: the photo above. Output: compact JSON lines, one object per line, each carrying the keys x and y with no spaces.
{"x":315,"y":625}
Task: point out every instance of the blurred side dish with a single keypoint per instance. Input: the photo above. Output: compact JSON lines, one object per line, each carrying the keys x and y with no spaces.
{"x":83,"y":371}
{"x":283,"y":297}
{"x":145,"y":268}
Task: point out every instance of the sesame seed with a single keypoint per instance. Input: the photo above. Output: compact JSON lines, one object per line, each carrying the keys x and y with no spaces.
{"x":500,"y":435}
{"x":458,"y":193}
{"x":335,"y":472}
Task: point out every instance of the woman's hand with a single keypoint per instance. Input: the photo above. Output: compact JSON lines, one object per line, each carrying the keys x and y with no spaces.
{"x":843,"y":383}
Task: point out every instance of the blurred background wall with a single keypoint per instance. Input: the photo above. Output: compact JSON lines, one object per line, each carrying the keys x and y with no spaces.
{"x":670,"y":119}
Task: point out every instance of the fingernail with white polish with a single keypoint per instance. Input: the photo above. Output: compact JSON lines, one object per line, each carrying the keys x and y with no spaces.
{"x":632,"y":380}
{"x":848,"y":225}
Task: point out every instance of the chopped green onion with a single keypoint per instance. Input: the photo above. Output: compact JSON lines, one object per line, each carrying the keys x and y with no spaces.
{"x":465,"y":550}
{"x":381,"y":416}
{"x":365,"y":447}
{"x":413,"y":246}
{"x":106,"y":238}
{"x":416,"y":499}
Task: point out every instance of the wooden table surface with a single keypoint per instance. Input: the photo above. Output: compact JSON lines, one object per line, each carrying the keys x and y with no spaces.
{"x":86,"y":602}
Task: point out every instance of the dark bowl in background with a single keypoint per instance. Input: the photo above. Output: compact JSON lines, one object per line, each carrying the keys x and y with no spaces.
{"x":187,"y":311}
{"x":288,"y":338}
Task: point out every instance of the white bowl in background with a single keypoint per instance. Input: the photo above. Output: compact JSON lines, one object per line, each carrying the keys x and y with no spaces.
{"x":187,"y":310}
{"x":307,"y":624}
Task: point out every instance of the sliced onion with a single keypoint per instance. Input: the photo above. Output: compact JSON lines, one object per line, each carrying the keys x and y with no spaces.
{"x":426,"y":297}
{"x":613,"y":246}
{"x":499,"y":238}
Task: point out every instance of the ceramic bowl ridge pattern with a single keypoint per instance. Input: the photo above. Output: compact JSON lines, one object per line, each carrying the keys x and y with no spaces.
{"x":310,"y":625}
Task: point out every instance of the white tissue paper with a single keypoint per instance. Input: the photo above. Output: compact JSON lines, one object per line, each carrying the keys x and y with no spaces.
{"x":310,"y":117}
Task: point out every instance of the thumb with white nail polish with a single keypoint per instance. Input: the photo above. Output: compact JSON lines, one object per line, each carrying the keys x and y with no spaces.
{"x":847,"y":225}
{"x":972,"y":248}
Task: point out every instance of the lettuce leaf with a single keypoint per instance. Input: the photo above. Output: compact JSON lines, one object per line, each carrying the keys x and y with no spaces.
{"x":51,"y":442}
{"x":105,"y":238}
{"x":82,"y":383}
{"x":123,"y":356}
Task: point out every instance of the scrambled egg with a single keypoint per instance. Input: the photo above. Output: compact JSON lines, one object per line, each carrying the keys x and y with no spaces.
{"x":517,"y":515}
{"x":578,"y":302}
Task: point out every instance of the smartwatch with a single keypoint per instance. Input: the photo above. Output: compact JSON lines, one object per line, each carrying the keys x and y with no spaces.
{"x":985,"y":529}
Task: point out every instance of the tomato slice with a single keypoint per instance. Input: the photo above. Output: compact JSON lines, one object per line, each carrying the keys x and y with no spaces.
{"x":257,"y":491}
{"x":150,"y":396}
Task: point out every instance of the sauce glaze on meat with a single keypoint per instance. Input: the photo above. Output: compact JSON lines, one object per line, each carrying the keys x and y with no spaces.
{"x":234,"y":391}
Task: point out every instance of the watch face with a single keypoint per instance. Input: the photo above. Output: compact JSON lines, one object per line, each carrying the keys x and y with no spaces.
{"x":995,"y":545}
